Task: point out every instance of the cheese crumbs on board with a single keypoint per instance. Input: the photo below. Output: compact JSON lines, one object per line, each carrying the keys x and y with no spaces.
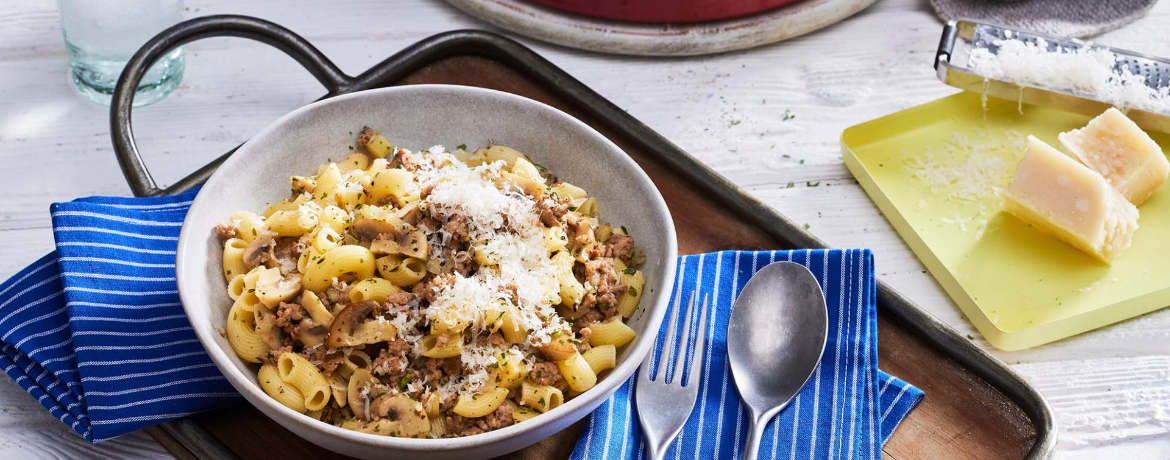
{"x":1115,"y":147}
{"x":1065,"y":199}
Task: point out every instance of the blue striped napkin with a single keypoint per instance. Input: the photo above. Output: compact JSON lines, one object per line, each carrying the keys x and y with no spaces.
{"x":94,"y":330}
{"x":847,"y":410}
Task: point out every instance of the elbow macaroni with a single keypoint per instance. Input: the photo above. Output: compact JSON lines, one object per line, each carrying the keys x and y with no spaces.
{"x":350,"y":323}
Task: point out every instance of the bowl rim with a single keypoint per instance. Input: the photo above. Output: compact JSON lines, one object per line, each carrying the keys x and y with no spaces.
{"x":594,"y":396}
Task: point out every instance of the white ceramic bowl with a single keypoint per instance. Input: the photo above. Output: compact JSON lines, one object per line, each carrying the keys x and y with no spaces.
{"x":418,"y":117}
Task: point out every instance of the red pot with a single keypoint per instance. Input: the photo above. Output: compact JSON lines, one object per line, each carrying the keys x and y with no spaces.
{"x":665,"y":10}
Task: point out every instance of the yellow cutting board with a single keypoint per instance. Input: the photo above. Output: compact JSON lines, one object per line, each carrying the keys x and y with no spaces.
{"x":931,"y":170}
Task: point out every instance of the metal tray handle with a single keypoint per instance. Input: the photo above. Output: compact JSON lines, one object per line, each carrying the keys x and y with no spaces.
{"x":135,"y":170}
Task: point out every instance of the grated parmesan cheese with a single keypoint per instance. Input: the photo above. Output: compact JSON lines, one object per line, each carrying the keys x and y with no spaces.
{"x":1090,"y":71}
{"x":505,"y":227}
{"x":967,"y":168}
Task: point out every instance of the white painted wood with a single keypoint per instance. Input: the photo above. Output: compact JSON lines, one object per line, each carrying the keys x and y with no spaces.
{"x":1110,"y":388}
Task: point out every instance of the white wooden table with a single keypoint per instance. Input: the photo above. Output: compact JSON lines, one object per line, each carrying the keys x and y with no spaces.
{"x":1110,"y":388}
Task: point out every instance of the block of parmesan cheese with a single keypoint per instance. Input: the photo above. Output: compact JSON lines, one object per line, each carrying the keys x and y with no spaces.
{"x":1062,"y":197}
{"x":1115,"y":147}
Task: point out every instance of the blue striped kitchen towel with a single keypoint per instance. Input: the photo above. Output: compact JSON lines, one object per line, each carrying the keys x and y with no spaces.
{"x":847,"y":410}
{"x":94,"y":330}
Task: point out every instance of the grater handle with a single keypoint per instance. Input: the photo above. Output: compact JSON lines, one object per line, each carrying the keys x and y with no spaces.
{"x":125,"y":148}
{"x":946,"y":44}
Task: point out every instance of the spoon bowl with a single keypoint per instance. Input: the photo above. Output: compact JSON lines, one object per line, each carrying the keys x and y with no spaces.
{"x":775,"y":338}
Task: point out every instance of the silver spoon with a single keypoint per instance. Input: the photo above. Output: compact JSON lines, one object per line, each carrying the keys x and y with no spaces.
{"x":775,"y":339}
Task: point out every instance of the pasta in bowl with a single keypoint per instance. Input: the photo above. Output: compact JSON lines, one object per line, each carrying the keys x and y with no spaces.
{"x":249,"y":190}
{"x":429,"y":294}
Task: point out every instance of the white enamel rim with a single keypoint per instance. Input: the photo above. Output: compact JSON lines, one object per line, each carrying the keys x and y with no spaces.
{"x":605,"y":386}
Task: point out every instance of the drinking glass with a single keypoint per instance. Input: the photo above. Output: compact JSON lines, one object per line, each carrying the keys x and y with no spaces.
{"x":101,"y":35}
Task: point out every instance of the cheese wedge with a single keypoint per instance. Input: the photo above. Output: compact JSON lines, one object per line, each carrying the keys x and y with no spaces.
{"x":1115,"y":147}
{"x":1064,"y":198}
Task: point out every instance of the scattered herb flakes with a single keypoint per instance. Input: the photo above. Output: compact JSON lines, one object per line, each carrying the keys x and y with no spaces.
{"x":790,"y":185}
{"x":806,"y":225}
{"x":788,"y":115}
{"x":630,"y":271}
{"x":462,"y":147}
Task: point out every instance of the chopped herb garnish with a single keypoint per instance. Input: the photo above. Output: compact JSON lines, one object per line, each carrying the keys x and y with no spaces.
{"x":462,"y":147}
{"x":572,"y":208}
{"x":633,"y":292}
{"x":630,"y":271}
{"x":624,"y":231}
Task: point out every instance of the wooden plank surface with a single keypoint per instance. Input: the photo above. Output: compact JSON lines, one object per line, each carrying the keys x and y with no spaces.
{"x":1110,"y":389}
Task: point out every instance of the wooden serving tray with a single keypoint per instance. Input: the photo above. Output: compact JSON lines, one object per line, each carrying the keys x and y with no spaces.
{"x":975,"y":407}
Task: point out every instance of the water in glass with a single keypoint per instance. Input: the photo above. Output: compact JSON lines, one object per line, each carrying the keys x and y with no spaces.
{"x":101,"y":35}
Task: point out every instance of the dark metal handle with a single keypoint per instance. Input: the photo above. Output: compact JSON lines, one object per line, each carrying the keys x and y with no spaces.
{"x":946,"y":44}
{"x":137,"y":175}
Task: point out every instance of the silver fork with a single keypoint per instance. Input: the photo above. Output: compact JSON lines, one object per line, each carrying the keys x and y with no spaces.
{"x":665,"y":404}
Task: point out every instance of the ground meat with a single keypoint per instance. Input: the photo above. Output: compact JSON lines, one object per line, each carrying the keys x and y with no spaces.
{"x":287,"y":251}
{"x":591,"y":317}
{"x":274,"y":354}
{"x":437,"y":368}
{"x":429,"y":224}
{"x":583,"y":335}
{"x":365,"y":136}
{"x":437,"y":285}
{"x":500,"y":418}
{"x":399,"y":298}
{"x":464,"y":263}
{"x":392,"y":359}
{"x":442,"y":340}
{"x":226,"y":232}
{"x":338,"y":292}
{"x":330,"y":361}
{"x":511,"y":289}
{"x":287,"y":314}
{"x":458,"y":425}
{"x":552,"y":210}
{"x":462,"y":426}
{"x":601,"y":275}
{"x":459,"y":226}
{"x":619,"y":246}
{"x":405,"y":160}
{"x":545,"y":373}
{"x":496,"y":340}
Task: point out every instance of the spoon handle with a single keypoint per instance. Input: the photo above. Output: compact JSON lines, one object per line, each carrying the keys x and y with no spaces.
{"x":755,"y":427}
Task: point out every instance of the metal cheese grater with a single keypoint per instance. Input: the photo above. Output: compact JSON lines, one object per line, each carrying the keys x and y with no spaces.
{"x":960,"y":37}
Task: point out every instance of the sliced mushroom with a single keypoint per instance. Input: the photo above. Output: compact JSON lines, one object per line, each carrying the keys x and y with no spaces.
{"x":272,"y":288}
{"x":350,"y":328}
{"x":266,"y":328}
{"x":372,"y":229}
{"x":260,"y":251}
{"x":410,"y":241}
{"x":310,"y":333}
{"x":411,"y":213}
{"x":406,"y":416}
{"x":360,"y":392}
